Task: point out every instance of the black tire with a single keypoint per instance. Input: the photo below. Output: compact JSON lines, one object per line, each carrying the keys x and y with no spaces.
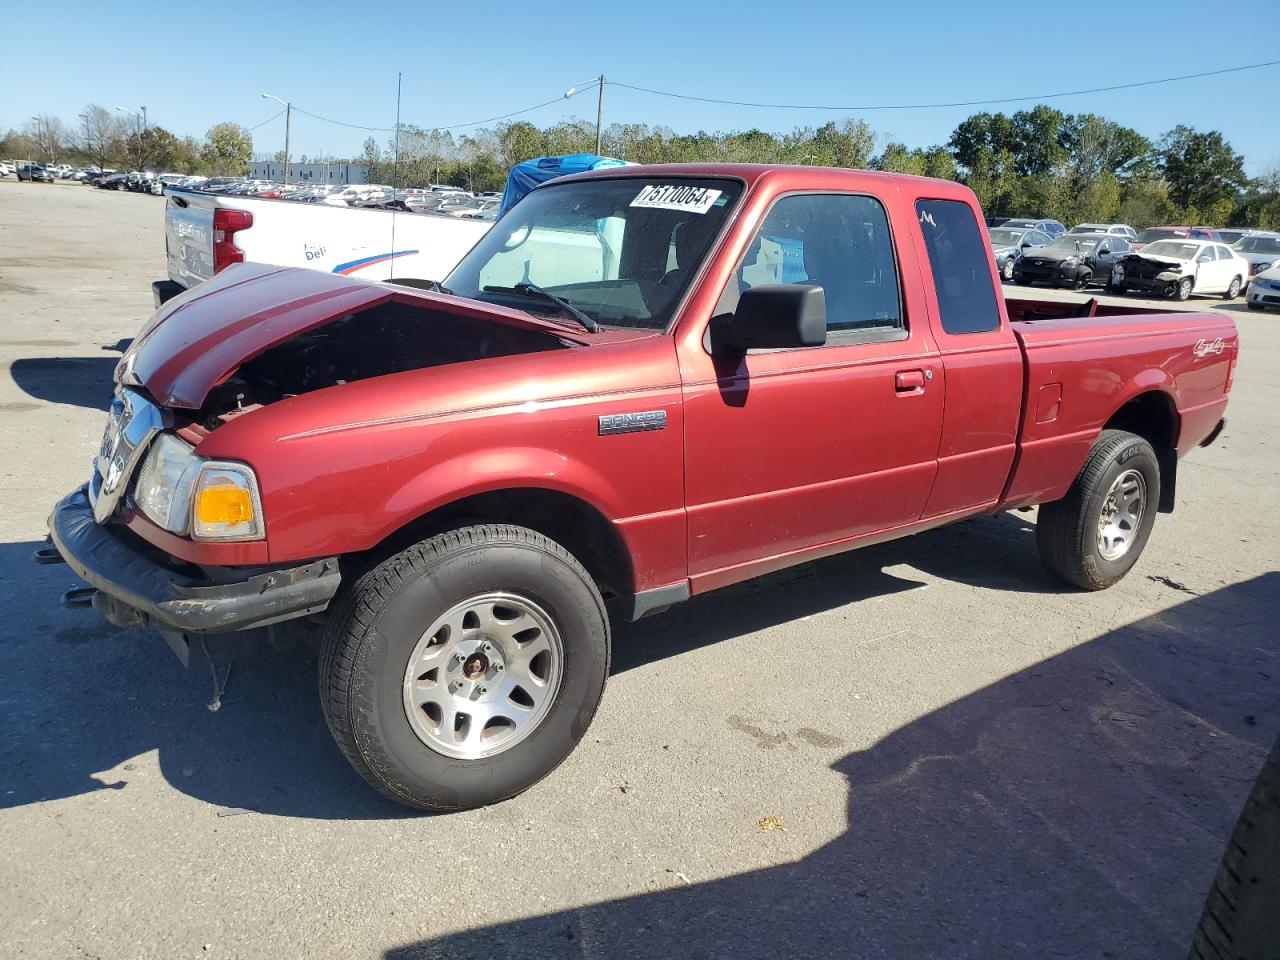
{"x":1233,"y":291}
{"x":1067,"y":529}
{"x":1183,"y":289}
{"x":1006,"y":272}
{"x":377,"y":622}
{"x":1240,"y":919}
{"x":1082,"y":280}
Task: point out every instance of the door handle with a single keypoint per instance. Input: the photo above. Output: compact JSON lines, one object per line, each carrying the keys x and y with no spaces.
{"x":909,"y":382}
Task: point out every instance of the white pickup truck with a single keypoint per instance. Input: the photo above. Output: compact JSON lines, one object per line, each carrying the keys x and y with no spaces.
{"x":205,"y":232}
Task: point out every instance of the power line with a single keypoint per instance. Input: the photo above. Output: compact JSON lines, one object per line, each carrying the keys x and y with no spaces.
{"x":451,"y":126}
{"x":266,"y":121}
{"x":932,"y":106}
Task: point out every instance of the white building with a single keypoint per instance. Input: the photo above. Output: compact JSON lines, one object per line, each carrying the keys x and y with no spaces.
{"x":336,"y":173}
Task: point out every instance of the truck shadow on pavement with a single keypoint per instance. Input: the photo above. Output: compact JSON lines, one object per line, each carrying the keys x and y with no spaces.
{"x":1077,"y":808}
{"x":86,"y":703}
{"x":79,"y":381}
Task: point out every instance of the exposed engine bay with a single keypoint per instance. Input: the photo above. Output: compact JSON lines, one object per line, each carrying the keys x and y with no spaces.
{"x":390,"y":338}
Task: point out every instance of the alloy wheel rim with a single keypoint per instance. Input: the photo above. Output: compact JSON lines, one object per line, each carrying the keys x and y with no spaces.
{"x":1121,"y":515}
{"x":483,"y":676}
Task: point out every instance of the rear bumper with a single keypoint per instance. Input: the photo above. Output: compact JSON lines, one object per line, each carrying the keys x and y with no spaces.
{"x":162,"y":291}
{"x":140,"y":590}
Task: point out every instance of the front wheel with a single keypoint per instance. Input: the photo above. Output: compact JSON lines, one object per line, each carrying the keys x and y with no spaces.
{"x":1006,"y":272}
{"x":464,"y":669}
{"x":1095,"y":534}
{"x":1081,"y":280}
{"x":1183,"y":290}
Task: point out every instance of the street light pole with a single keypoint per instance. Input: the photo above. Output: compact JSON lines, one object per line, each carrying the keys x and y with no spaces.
{"x":578,"y":88}
{"x":288,"y":116}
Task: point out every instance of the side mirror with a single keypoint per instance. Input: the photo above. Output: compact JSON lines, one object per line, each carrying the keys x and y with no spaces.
{"x":1026,"y":246}
{"x":773,"y":316}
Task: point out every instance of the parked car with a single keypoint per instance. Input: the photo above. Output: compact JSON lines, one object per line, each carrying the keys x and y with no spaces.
{"x":1178,"y":268}
{"x":445,"y":514}
{"x":5,"y":169}
{"x":1264,"y":289}
{"x":1262,"y":250}
{"x":1009,"y":243}
{"x":1232,"y":234}
{"x":33,"y":172}
{"x":1152,"y":234}
{"x":112,"y":181}
{"x":1117,"y":229}
{"x":1052,"y":227}
{"x":1073,"y":259}
{"x":488,"y":210}
{"x":62,"y":171}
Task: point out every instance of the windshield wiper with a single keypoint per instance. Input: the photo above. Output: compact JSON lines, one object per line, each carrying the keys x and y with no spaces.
{"x":533,"y":291}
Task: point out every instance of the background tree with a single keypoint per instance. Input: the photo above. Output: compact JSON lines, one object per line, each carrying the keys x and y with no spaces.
{"x":227,"y":149}
{"x":19,"y":146}
{"x":48,"y":135}
{"x":1200,"y":168}
{"x":154,"y":148}
{"x":518,"y":142}
{"x":1095,"y":145}
{"x":101,"y":135}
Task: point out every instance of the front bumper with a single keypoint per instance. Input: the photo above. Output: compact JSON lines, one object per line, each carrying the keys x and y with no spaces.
{"x":141,"y":590}
{"x":1053,"y":272}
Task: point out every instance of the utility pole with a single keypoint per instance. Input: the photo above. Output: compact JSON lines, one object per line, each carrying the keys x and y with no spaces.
{"x":600,"y":115}
{"x":578,"y":88}
{"x":288,"y":116}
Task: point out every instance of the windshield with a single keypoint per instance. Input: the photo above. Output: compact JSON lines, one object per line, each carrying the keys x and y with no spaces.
{"x":1088,"y":228}
{"x":1257,"y":245}
{"x":623,"y":251}
{"x":1006,"y":238}
{"x":1070,"y":245}
{"x":1172,"y":248}
{"x":1150,"y":236}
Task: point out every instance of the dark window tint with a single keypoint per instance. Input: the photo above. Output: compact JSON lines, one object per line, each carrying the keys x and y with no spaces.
{"x":958,"y":259}
{"x":838,"y":241}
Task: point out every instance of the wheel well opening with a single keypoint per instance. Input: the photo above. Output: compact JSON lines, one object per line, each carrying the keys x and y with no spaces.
{"x":1152,"y":416}
{"x":574,"y":524}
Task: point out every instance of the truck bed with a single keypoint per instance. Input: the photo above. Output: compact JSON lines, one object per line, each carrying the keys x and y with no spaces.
{"x":365,"y":243}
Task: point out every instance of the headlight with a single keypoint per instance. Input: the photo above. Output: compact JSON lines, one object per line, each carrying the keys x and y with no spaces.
{"x":163,"y":489}
{"x":226,"y":504}
{"x":1069,"y":261}
{"x":190,"y":496}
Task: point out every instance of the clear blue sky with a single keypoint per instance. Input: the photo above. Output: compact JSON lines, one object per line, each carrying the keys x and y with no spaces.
{"x":194,"y":65}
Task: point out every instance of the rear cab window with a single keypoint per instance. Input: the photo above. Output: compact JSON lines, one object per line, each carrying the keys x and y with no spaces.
{"x":958,"y":259}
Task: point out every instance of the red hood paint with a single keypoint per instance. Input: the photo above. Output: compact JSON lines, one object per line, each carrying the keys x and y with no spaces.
{"x":199,"y":338}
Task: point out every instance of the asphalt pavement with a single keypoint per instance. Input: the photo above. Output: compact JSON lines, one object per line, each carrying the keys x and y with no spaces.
{"x":924,"y":749}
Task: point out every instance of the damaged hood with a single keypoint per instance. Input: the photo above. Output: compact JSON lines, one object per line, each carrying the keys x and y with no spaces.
{"x":1168,"y":263}
{"x":200,"y":337}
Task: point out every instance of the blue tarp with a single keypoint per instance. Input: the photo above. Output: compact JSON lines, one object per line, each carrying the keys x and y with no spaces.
{"x":525,"y":176}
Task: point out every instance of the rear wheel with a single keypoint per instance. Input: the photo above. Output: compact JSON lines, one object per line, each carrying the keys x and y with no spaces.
{"x":464,"y":669}
{"x":1095,"y":534}
{"x":1233,"y":291}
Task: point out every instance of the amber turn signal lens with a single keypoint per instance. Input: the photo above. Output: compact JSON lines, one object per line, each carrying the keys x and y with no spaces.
{"x":224,"y":503}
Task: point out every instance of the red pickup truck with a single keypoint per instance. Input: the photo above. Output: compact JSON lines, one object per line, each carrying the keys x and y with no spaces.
{"x":642,"y":384}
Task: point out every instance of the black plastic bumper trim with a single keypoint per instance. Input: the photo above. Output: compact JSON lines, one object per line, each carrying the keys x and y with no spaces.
{"x":106,"y":561}
{"x":162,"y":291}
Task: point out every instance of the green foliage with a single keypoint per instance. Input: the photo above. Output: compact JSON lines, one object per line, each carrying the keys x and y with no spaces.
{"x":227,"y":149}
{"x":1201,"y":168}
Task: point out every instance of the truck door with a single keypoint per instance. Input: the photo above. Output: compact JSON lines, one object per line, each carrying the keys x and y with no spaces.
{"x":787,"y":450}
{"x":980,"y":357}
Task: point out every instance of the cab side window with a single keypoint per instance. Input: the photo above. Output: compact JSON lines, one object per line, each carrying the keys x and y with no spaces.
{"x":959,"y":261}
{"x":840,"y":242}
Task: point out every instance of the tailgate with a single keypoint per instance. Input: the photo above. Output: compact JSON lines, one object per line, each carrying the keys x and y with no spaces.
{"x":188,"y":236}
